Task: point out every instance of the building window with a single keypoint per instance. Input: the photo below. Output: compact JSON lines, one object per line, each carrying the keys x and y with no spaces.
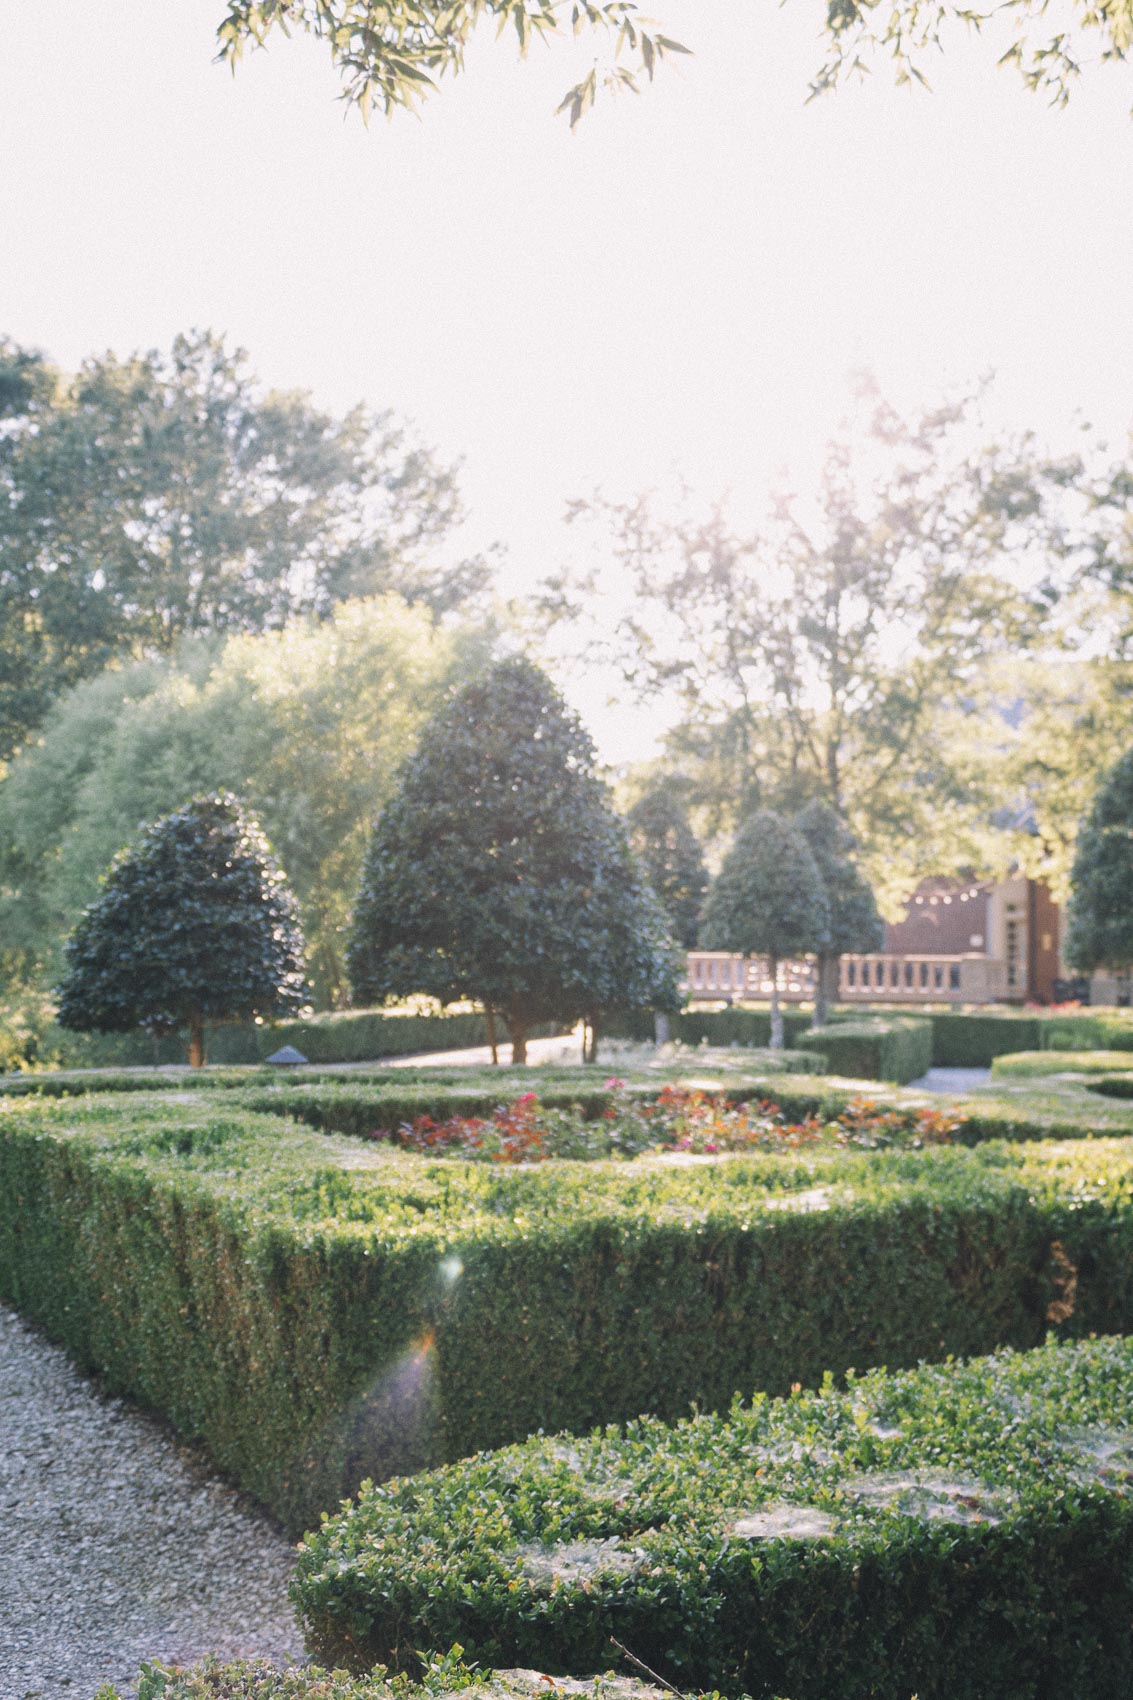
{"x":954,"y":977}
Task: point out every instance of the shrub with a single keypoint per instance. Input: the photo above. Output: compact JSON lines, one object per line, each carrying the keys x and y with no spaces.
{"x":316,"y":1312}
{"x":962,"y":1532}
{"x":897,"y":1048}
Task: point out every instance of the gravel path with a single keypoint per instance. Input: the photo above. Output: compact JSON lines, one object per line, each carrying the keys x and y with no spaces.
{"x":948,"y":1080}
{"x":117,"y":1544}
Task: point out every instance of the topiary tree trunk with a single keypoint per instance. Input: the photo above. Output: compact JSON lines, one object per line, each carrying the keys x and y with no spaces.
{"x":196,"y":1039}
{"x":776,"y":1011}
{"x":517,"y":1032}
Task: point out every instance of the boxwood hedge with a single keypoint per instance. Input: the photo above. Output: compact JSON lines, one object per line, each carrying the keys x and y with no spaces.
{"x":897,"y":1048}
{"x":955,"y":1533}
{"x":442,"y":1679}
{"x":317,"y":1310}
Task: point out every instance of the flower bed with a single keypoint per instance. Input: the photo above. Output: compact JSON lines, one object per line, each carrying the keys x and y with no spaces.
{"x":678,"y":1119}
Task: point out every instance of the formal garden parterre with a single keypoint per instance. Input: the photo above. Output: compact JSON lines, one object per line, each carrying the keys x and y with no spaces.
{"x":331,"y":1277}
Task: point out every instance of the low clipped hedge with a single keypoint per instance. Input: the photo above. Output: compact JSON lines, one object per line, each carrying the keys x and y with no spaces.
{"x":355,"y":1035}
{"x":442,"y":1679}
{"x":1023,"y":1065}
{"x":317,"y":1311}
{"x":897,"y":1048}
{"x":972,"y":1041}
{"x":957,"y":1533}
{"x":1113,"y":1086}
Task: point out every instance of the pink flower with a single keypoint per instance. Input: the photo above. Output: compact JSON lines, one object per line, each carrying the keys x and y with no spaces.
{"x":527,"y":1098}
{"x":613,"y":1083}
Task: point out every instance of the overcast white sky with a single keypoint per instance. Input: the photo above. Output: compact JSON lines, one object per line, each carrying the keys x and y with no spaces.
{"x":681,"y":283}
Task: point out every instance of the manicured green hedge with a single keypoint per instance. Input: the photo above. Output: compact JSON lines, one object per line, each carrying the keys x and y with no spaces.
{"x":442,"y":1679}
{"x":971,"y":1041}
{"x":897,"y":1048}
{"x":1035,"y":1064}
{"x":316,"y":1310}
{"x":1113,"y":1086}
{"x":958,"y":1533}
{"x":356,"y":1035}
{"x":1091,"y":1030}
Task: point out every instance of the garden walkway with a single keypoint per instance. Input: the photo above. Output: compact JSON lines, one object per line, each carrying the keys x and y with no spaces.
{"x":118,"y":1543}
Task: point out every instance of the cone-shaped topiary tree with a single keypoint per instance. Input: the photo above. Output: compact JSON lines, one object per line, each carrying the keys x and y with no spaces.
{"x":854,"y":921}
{"x":1099,"y":928}
{"x":498,"y":871}
{"x":195,"y":923}
{"x":670,"y":853}
{"x":768,"y":900}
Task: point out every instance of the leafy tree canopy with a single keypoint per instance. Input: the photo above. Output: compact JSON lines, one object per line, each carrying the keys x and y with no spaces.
{"x":670,"y":853}
{"x":390,"y":55}
{"x":768,"y":898}
{"x":142,"y":500}
{"x":854,"y":923}
{"x":308,"y":724}
{"x":840,"y":650}
{"x":498,"y":870}
{"x":195,"y":923}
{"x":1099,"y":931}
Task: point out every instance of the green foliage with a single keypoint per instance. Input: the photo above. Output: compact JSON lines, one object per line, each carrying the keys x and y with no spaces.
{"x":390,"y":57}
{"x":840,"y":649}
{"x":499,"y":872}
{"x":768,"y":898}
{"x":907,"y":34}
{"x":972,"y":1041}
{"x":961,"y":1531}
{"x":194,"y":924}
{"x":317,"y":1310}
{"x":672,"y":858}
{"x":144,"y":499}
{"x":855,"y":924}
{"x":1035,"y":1064}
{"x":1099,"y":923}
{"x":307,"y":724}
{"x":441,"y":1678}
{"x":344,"y":1036}
{"x":882,"y":1048}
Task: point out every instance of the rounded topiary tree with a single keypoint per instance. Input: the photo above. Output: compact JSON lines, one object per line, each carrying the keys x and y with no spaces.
{"x":195,"y":923}
{"x":1099,"y":927}
{"x":670,"y":853}
{"x":854,"y":921}
{"x":498,"y":870}
{"x":768,"y":900}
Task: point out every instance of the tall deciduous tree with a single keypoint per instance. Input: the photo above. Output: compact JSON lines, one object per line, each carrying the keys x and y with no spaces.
{"x":670,"y":853}
{"x":498,"y":870}
{"x":820,"y":656}
{"x":768,"y":900}
{"x":195,"y":923}
{"x":854,"y":921}
{"x":149,"y":498}
{"x":1099,"y":931}
{"x":308,"y":725}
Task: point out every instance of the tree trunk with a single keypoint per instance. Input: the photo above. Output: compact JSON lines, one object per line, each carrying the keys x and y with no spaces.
{"x":823,"y":964}
{"x":590,"y":1052}
{"x":661,"y":1029}
{"x":490,"y":1016}
{"x":776,"y":1012}
{"x":196,"y":1040}
{"x":517,"y":1032}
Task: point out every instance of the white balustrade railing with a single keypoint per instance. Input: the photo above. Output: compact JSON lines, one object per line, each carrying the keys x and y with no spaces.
{"x":877,"y":977}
